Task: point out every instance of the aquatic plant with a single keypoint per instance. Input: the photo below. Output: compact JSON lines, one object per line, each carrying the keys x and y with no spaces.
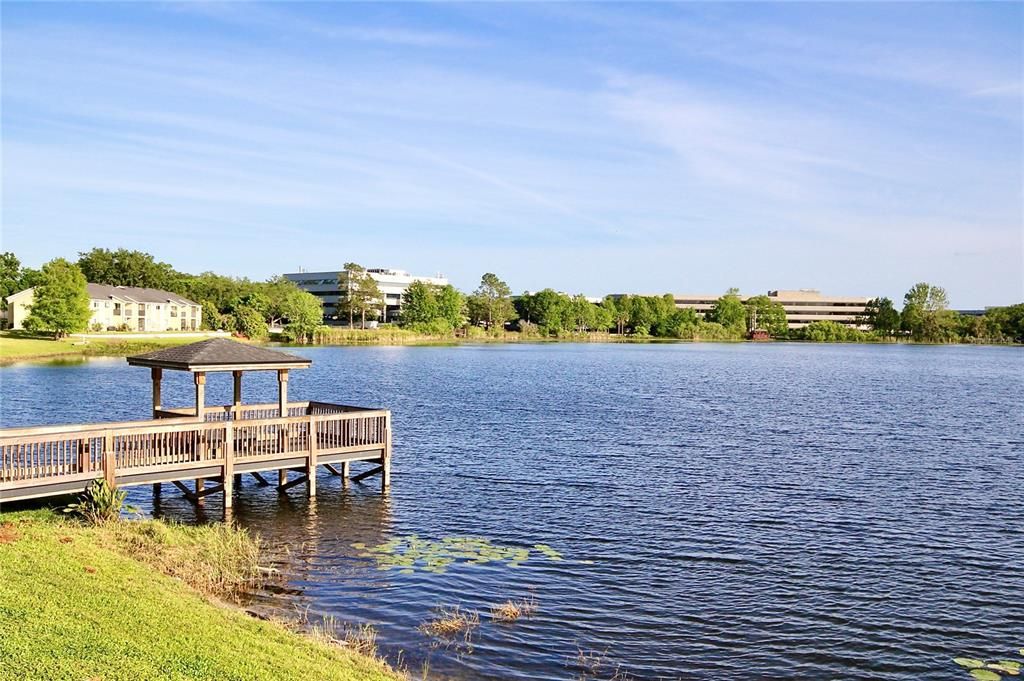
{"x":990,"y":671}
{"x":510,"y":610}
{"x":409,"y":553}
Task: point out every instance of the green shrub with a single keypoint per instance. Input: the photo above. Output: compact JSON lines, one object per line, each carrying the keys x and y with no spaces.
{"x":101,"y":503}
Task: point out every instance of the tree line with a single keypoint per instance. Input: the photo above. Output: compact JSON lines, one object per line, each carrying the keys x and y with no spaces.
{"x":238,"y":305}
{"x":251,"y":308}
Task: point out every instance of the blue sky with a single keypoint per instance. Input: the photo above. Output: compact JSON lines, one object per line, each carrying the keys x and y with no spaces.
{"x":596,"y":148}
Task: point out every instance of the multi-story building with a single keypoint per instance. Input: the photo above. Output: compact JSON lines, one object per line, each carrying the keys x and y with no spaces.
{"x":330,"y":288}
{"x":802,"y":306}
{"x":116,"y":308}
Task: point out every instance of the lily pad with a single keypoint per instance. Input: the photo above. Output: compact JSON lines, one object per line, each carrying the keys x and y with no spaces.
{"x":412,"y":553}
{"x":985,"y":675}
{"x":969,"y":662}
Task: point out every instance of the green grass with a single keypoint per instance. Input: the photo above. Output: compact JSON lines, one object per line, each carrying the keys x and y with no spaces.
{"x":20,"y":345}
{"x":74,"y":606}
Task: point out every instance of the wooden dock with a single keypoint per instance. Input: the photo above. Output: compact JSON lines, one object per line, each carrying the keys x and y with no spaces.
{"x":203,"y":444}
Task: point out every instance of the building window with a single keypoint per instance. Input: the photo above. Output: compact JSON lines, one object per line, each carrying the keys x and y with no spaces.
{"x":194,"y":308}
{"x":174,"y":311}
{"x":117,"y":309}
{"x":106,"y":304}
{"x":95,"y":305}
{"x":127,"y":309}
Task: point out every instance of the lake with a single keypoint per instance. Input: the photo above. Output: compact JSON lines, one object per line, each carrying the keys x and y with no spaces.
{"x":719,"y":510}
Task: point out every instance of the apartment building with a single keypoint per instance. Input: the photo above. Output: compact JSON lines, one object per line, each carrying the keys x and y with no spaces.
{"x":117,"y":308}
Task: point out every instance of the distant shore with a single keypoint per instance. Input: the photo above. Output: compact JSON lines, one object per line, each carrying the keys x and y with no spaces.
{"x":20,"y":347}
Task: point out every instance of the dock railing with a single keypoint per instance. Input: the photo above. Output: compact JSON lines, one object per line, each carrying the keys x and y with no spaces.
{"x":57,"y":459}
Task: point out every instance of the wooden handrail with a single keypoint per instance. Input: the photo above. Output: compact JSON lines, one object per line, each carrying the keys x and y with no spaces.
{"x":56,"y":452}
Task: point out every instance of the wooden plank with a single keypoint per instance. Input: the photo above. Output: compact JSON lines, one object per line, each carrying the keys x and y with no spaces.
{"x":292,"y":483}
{"x":260,"y":479}
{"x":184,"y":490}
{"x":362,"y":476}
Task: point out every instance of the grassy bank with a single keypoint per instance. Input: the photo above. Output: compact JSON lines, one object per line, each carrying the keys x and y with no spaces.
{"x":16,"y":346}
{"x":123,"y":601}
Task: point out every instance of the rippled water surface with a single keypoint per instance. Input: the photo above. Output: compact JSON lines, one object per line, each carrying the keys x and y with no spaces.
{"x":723,"y":511}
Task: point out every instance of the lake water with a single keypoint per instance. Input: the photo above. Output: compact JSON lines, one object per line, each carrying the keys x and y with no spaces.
{"x":722,"y":511}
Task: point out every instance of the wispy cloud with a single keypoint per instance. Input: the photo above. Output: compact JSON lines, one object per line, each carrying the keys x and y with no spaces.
{"x":556,"y":143}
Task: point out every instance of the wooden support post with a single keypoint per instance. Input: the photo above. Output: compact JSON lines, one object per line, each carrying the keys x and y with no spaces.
{"x":157,"y":488}
{"x":346,"y":471}
{"x":84,"y":460}
{"x":200,"y":489}
{"x":237,"y":396}
{"x":282,"y":477}
{"x":385,"y":462}
{"x":157,"y":375}
{"x":109,"y":459}
{"x":282,"y":411}
{"x":282,"y":392}
{"x":311,"y":461}
{"x":200,"y":379}
{"x":229,"y":462}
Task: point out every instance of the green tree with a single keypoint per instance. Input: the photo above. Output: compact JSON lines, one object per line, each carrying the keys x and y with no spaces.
{"x":451,"y":306}
{"x":364,"y":295}
{"x":279,"y":293}
{"x":419,"y":304}
{"x":882,"y":317}
{"x":924,"y":313}
{"x":618,"y":310}
{"x":125,"y":268}
{"x":768,"y":315}
{"x":582,"y":313}
{"x":29,"y":278}
{"x":10,"y":277}
{"x":491,"y":303}
{"x":347,"y":283}
{"x":60,"y":301}
{"x":304,"y":314}
{"x":682,"y":323}
{"x":1007,"y":322}
{"x":729,"y":312}
{"x":249,"y":322}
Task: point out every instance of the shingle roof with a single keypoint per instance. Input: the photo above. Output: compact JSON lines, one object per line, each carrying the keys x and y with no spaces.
{"x":219,"y":354}
{"x":134,"y":294}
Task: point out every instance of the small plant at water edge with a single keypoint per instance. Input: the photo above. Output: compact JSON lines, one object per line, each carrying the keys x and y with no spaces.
{"x":101,"y":503}
{"x":452,"y":628}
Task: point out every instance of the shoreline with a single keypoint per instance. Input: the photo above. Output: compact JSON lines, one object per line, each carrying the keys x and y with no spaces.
{"x":122,"y":591}
{"x":108,"y":347}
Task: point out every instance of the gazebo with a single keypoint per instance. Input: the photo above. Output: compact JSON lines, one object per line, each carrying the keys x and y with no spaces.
{"x":202,"y":442}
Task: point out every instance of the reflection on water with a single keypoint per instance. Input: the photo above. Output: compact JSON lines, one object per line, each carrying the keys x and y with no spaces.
{"x":721,"y":511}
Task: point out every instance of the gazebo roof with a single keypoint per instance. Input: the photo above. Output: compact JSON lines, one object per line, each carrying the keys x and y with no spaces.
{"x":219,"y":354}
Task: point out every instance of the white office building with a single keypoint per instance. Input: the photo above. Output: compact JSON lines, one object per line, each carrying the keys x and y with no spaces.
{"x":330,"y":288}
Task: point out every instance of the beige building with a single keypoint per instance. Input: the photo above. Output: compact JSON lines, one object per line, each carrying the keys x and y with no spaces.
{"x":117,"y":308}
{"x":802,"y":306}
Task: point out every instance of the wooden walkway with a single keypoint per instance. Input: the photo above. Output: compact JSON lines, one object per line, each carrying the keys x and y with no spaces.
{"x":177,"y":446}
